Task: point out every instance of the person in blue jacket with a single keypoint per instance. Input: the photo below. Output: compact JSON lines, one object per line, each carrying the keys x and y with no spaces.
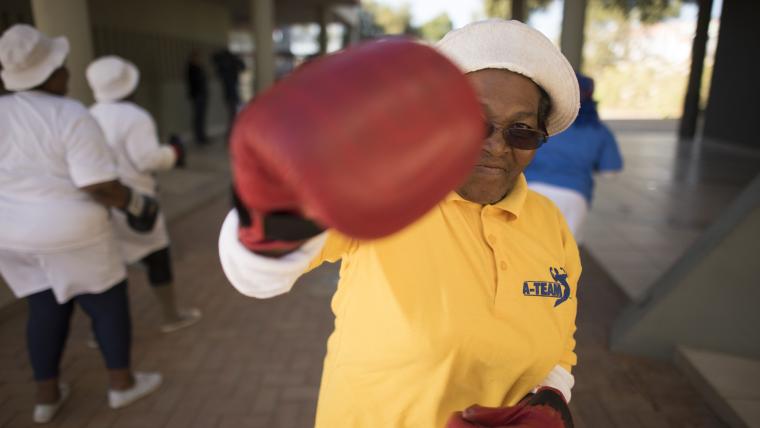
{"x":563,"y":170}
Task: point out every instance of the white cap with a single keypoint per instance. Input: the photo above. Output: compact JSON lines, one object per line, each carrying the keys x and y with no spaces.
{"x":514,"y":46}
{"x":28,"y":57}
{"x":112,"y":78}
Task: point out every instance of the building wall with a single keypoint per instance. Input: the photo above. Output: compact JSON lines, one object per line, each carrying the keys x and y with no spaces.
{"x":158,"y":38}
{"x":156,"y":35}
{"x":12,"y":12}
{"x":69,"y":18}
{"x":732,"y":106}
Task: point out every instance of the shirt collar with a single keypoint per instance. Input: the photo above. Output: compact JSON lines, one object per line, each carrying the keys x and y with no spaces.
{"x":512,"y":203}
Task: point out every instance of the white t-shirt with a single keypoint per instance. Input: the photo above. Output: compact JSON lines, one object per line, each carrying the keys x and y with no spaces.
{"x":131,"y":133}
{"x":50,"y":147}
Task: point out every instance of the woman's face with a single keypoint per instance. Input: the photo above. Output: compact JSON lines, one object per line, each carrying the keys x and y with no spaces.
{"x":509,"y":100}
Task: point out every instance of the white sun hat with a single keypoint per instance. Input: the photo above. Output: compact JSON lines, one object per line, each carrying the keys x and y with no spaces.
{"x":112,"y":78}
{"x":514,"y":46}
{"x":29,"y":57}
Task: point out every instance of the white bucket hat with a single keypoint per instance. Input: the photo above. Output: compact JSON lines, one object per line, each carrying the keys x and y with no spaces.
{"x":514,"y":46}
{"x":29,"y":57}
{"x":112,"y":78}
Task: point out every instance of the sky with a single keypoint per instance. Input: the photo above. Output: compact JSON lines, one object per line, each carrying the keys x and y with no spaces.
{"x":463,"y":11}
{"x":460,"y":11}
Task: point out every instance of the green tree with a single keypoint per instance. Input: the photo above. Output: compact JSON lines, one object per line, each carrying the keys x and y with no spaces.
{"x":503,"y":8}
{"x":609,"y":26}
{"x":389,"y":20}
{"x":607,"y":36}
{"x":647,"y":11}
{"x":436,"y":28}
{"x":626,"y":82}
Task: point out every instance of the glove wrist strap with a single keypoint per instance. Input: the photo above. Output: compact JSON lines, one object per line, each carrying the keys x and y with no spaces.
{"x":275,"y":231}
{"x":136,"y":203}
{"x":553,"y":398}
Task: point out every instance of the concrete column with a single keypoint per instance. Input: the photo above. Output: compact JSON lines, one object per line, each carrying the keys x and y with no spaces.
{"x":69,"y":18}
{"x":263,"y":26}
{"x":350,"y":36}
{"x":350,"y":17}
{"x":688,"y":127}
{"x":519,"y":10}
{"x":573,"y":24}
{"x":323,"y":12}
{"x":732,"y":106}
{"x":354,"y":34}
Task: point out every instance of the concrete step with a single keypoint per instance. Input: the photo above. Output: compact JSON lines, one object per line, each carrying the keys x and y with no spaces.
{"x":729,"y":383}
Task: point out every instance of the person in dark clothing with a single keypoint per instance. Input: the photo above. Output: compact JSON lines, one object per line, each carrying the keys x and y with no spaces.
{"x":197,"y":88}
{"x":228,"y":67}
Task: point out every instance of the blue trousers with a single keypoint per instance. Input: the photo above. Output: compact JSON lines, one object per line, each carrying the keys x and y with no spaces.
{"x":48,"y":328}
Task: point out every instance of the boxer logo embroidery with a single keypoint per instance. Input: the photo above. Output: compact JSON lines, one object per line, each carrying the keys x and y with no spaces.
{"x":559,"y":289}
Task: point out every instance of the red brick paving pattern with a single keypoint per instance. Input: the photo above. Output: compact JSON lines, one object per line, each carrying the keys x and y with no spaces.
{"x":252,"y":363}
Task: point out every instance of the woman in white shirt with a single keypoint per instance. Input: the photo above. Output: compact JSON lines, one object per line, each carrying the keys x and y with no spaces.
{"x":57,"y":178}
{"x":131,"y":133}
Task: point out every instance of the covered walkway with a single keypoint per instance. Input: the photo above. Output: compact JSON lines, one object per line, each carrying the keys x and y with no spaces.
{"x":253,"y":363}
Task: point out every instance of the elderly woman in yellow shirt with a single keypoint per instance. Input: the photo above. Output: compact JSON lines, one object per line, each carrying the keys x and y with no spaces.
{"x":476,"y":301}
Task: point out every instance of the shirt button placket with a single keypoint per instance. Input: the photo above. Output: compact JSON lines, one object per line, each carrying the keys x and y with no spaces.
{"x":500,"y":263}
{"x":490,"y":239}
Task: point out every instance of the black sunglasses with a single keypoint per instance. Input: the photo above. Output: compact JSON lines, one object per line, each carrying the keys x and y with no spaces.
{"x":519,"y":138}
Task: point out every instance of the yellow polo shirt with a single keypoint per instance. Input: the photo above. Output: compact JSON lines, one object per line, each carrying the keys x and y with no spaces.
{"x":470,"y":304}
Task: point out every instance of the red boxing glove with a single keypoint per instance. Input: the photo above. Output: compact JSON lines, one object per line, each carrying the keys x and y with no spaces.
{"x":519,"y":416}
{"x":179,"y":150}
{"x":546,"y":408}
{"x":364,"y":141}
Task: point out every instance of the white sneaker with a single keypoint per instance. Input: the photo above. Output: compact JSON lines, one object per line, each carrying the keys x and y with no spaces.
{"x":145,"y":383}
{"x":44,"y":413}
{"x":187,"y":317}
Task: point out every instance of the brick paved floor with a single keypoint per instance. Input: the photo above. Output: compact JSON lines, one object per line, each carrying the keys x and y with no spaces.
{"x":252,"y":363}
{"x":614,"y":390}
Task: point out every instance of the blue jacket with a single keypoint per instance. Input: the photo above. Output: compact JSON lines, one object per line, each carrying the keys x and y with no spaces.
{"x":570,"y":158}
